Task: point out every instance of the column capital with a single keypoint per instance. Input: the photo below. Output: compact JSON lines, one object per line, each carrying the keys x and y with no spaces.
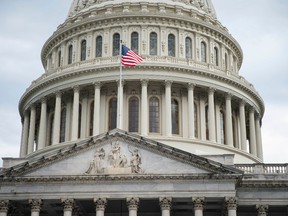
{"x":211,"y":90}
{"x":262,"y":210}
{"x":228,"y":96}
{"x":58,"y":93}
{"x":168,"y":83}
{"x":4,"y":206}
{"x":35,"y":205}
{"x":100,"y":203}
{"x":43,"y":100}
{"x":165,"y":203}
{"x":242,"y":102}
{"x":132,"y":203}
{"x":97,"y":85}
{"x":76,"y":88}
{"x":144,"y":82}
{"x":67,"y":204}
{"x":231,"y":203}
{"x":191,"y":86}
{"x":198,"y":203}
{"x":122,"y":82}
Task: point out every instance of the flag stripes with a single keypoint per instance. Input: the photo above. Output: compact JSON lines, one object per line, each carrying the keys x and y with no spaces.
{"x":129,"y":57}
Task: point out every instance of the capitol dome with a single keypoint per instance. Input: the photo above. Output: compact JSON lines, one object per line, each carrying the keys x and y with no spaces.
{"x":187,"y":93}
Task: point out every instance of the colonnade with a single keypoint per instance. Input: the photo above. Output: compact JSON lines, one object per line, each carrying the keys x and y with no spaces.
{"x":166,"y":204}
{"x":235,"y":133}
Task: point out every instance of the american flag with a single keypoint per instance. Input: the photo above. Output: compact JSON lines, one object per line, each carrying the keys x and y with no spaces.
{"x":129,"y":57}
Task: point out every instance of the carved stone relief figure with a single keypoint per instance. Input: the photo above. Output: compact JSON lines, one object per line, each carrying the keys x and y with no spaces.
{"x":135,"y":161}
{"x":116,"y":159}
{"x":96,"y":166}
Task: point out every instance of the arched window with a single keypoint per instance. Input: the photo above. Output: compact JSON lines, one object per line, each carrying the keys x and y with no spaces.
{"x":171,"y":45}
{"x":116,"y":44}
{"x":153,"y":43}
{"x":63,"y":125}
{"x":222,"y":127}
{"x":83,"y":50}
{"x":59,"y":58}
{"x":203,"y":52}
{"x":135,"y":41}
{"x":195,"y":120}
{"x":188,"y":48}
{"x":99,"y":42}
{"x":133,"y":114}
{"x":216,"y":56}
{"x":154,"y":115}
{"x":91,"y":118}
{"x":70,"y":54}
{"x":112,"y":113}
{"x":207,"y":122}
{"x":175,"y":116}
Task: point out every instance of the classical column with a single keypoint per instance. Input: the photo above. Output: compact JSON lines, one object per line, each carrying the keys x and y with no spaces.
{"x":202,"y":118}
{"x":96,"y":115}
{"x":252,"y":132}
{"x":168,"y":124}
{"x":198,"y":205}
{"x":231,"y":204}
{"x":4,"y":207}
{"x":228,"y":121}
{"x":57,"y":119}
{"x":25,"y":133}
{"x":259,"y":138}
{"x":43,"y":123}
{"x":165,"y":205}
{"x":31,"y":136}
{"x":120,"y":105}
{"x":68,"y":121}
{"x":84,"y":111}
{"x":243,"y":136}
{"x":132,"y":204}
{"x":262,"y":210}
{"x":100,"y":205}
{"x":75,"y":115}
{"x":35,"y":207}
{"x":144,"y":108}
{"x":191,"y":119}
{"x":211,"y":118}
{"x":67,"y":206}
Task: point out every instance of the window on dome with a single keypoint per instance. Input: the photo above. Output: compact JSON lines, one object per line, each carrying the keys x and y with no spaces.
{"x":153,"y":43}
{"x":222,"y":126}
{"x":171,"y":45}
{"x":195,"y":120}
{"x":135,"y":41}
{"x":112,"y":113}
{"x":154,"y":115}
{"x":99,"y":42}
{"x":133,"y":114}
{"x":59,"y":59}
{"x":216,"y":56}
{"x":188,"y":48}
{"x":91,"y":119}
{"x":116,"y":44}
{"x":175,"y":116}
{"x":63,"y":125}
{"x":70,"y":54}
{"x":203,"y":52}
{"x":83,"y":50}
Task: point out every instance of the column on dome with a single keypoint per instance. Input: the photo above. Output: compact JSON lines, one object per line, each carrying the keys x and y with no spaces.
{"x":228,"y":121}
{"x":262,"y":210}
{"x":84,"y":110}
{"x":35,"y":205}
{"x":259,"y":138}
{"x":133,"y":204}
{"x":198,"y":205}
{"x":191,"y":119}
{"x":43,"y":124}
{"x":202,"y":118}
{"x":253,"y":149}
{"x":57,"y":119}
{"x":4,"y":207}
{"x":144,"y":108}
{"x":165,"y":205}
{"x":243,"y":135}
{"x":25,"y":133}
{"x":211,"y":115}
{"x":68,"y":120}
{"x":96,"y":115}
{"x":231,"y":205}
{"x":168,"y":118}
{"x":218,"y":121}
{"x":75,"y":115}
{"x":32,"y":125}
{"x":120,"y":105}
{"x":100,"y":205}
{"x":184,"y":128}
{"x":68,"y":205}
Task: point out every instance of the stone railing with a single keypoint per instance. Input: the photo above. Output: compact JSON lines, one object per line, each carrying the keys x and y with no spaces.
{"x":263,"y":168}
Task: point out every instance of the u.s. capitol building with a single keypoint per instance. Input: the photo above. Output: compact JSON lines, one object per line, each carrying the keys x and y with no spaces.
{"x":179,"y":134}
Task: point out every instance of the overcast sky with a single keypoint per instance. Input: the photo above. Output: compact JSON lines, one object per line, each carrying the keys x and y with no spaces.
{"x":260,"y":26}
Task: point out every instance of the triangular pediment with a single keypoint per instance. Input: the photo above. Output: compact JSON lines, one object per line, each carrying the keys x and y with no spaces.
{"x":118,"y":153}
